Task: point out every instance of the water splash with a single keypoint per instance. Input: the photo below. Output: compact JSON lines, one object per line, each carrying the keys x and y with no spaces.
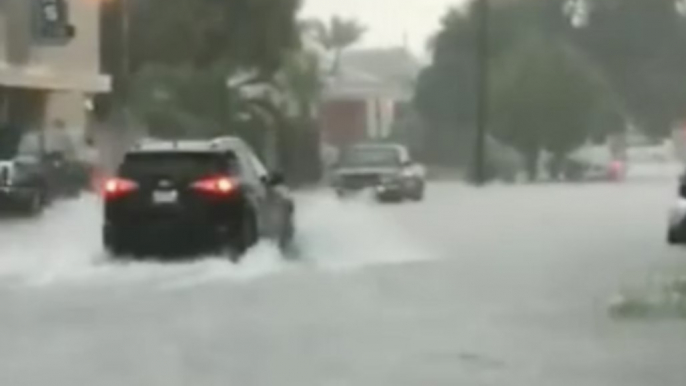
{"x":63,"y":248}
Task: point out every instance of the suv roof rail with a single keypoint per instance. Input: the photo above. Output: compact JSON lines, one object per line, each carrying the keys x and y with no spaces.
{"x":226,"y":140}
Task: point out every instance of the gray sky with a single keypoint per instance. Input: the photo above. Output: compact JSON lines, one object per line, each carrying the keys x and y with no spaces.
{"x":387,"y":20}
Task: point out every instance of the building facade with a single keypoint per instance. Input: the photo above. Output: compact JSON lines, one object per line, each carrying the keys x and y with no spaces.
{"x":49,"y":63}
{"x":362,"y":101}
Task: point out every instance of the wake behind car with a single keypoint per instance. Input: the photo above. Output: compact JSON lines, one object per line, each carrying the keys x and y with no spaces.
{"x":183,"y":197}
{"x":387,"y":169}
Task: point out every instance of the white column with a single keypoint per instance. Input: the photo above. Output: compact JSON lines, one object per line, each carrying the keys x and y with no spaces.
{"x":371,"y":117}
{"x":70,"y":108}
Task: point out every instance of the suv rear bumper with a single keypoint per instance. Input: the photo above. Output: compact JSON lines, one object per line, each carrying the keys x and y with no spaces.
{"x":169,"y":237}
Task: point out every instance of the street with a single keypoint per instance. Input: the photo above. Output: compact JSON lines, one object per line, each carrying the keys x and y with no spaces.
{"x":509,"y":285}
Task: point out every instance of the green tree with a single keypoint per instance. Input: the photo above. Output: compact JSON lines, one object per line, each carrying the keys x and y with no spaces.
{"x":532,"y":55}
{"x":302,"y":79}
{"x":547,"y":96}
{"x":238,"y":34}
{"x":182,"y":101}
{"x":254,"y":34}
{"x":195,"y":45}
{"x":445,"y":93}
{"x":184,"y":52}
{"x":641,"y":46}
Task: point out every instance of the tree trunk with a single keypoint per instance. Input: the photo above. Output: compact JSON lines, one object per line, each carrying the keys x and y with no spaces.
{"x":532,"y":157}
{"x":556,"y":166}
{"x":336,"y":65}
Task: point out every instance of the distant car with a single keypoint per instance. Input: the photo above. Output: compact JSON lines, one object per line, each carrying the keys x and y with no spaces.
{"x":582,"y":170}
{"x":387,"y":169}
{"x":184,"y":197}
{"x":593,"y":163}
{"x":676,"y":231}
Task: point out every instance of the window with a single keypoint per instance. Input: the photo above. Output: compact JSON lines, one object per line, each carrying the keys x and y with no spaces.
{"x":177,"y":164}
{"x":259,"y":167}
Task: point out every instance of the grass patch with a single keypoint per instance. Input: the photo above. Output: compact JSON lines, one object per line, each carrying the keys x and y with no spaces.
{"x":668,"y":302}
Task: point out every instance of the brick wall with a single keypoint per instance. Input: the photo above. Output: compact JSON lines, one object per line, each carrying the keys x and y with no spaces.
{"x":344,"y":121}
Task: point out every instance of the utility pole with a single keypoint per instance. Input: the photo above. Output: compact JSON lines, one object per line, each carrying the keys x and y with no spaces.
{"x":482,"y":113}
{"x":125,"y":51}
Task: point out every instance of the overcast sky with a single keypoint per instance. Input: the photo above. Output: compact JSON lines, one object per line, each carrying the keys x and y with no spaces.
{"x":387,"y":20}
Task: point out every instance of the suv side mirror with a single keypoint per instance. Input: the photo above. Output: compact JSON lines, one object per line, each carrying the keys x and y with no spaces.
{"x":275,"y":179}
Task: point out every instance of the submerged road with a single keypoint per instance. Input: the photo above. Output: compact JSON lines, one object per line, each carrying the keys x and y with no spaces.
{"x":500,"y":286}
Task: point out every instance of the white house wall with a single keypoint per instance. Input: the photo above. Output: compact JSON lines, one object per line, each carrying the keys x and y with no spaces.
{"x":68,"y":73}
{"x":66,"y":106}
{"x":73,"y":66}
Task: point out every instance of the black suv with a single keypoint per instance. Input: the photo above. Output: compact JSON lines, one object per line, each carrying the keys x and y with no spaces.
{"x":178,"y":197}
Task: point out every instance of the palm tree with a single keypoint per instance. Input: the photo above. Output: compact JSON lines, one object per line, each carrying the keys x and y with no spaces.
{"x":302,"y":79}
{"x":335,"y":36}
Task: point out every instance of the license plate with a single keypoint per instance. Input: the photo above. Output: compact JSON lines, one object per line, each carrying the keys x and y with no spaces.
{"x":165,"y":197}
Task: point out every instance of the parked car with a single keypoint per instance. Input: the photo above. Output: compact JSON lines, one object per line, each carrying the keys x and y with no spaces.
{"x":67,"y":175}
{"x":592,"y":163}
{"x":34,"y":177}
{"x":23,"y":185}
{"x":182,"y":197}
{"x":676,"y":229}
{"x":387,"y":169}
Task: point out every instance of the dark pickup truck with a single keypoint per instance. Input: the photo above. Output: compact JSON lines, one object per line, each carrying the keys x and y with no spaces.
{"x":385,"y":168}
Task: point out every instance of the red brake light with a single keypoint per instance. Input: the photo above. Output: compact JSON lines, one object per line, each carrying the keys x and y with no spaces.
{"x":215,"y":185}
{"x":115,"y":187}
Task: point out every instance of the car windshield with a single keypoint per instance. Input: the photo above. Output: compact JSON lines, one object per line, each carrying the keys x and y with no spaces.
{"x":30,"y":145}
{"x":370,"y":157}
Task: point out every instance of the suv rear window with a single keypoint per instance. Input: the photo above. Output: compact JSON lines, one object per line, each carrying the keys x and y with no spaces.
{"x":178,"y":164}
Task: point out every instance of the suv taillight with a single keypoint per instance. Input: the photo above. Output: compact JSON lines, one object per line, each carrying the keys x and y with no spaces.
{"x":215,"y":185}
{"x":117,"y":187}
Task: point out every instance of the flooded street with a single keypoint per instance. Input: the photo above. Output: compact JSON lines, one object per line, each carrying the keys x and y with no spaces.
{"x":502,"y":286}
